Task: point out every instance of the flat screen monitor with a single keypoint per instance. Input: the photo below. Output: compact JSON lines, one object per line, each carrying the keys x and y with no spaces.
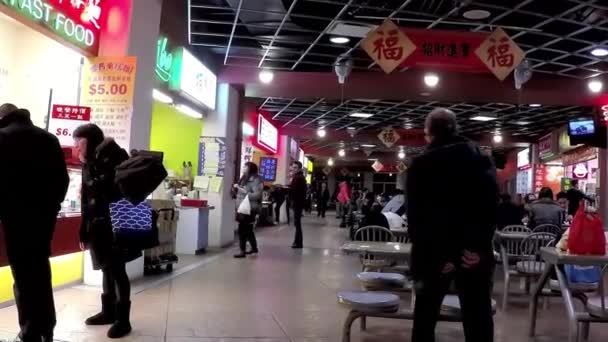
{"x":581,"y":127}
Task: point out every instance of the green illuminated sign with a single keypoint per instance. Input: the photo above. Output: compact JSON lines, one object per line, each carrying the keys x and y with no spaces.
{"x":164,"y":60}
{"x":53,"y":17}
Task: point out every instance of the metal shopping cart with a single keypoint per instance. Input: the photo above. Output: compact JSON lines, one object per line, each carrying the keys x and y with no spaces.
{"x":164,"y":254}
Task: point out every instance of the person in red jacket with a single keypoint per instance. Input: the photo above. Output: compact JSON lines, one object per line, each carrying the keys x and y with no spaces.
{"x":297,"y":195}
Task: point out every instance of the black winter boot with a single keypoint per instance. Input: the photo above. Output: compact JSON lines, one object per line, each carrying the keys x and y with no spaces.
{"x":122,"y":325}
{"x":107,"y":314}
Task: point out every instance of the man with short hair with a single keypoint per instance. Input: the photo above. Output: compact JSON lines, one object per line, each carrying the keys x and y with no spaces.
{"x":34,"y":182}
{"x":575,"y":196}
{"x":452,"y":198}
{"x":297,"y":196}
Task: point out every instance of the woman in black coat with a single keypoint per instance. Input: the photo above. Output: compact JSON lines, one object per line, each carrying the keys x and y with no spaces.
{"x":100,"y":156}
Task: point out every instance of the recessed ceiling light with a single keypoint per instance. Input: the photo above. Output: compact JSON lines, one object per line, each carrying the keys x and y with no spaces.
{"x":522,"y":123}
{"x":483,"y":118}
{"x":401,"y":155}
{"x":431,"y":80}
{"x":330,"y":162}
{"x":476,"y":14}
{"x":497,"y":138}
{"x":361,"y":115}
{"x":372,"y":159}
{"x":321,"y":132}
{"x":426,"y":93}
{"x":368,"y":146}
{"x":339,"y":40}
{"x":266,"y":76}
{"x":599,"y":52}
{"x":341,"y":153}
{"x":595,"y":86}
{"x":534,"y":105}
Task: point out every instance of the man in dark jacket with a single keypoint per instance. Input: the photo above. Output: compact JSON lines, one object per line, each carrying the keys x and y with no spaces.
{"x":34,"y":184}
{"x":452,"y":199}
{"x":297,"y":196}
{"x":575,"y":196}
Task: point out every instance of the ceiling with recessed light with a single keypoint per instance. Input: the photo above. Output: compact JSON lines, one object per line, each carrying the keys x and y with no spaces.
{"x":561,"y":38}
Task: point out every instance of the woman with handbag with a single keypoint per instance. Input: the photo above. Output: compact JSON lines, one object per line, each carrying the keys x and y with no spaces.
{"x":100,"y":157}
{"x":248,"y":198}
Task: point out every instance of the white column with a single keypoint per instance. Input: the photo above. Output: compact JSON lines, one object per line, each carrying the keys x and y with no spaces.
{"x":222,"y":123}
{"x":283,"y":161}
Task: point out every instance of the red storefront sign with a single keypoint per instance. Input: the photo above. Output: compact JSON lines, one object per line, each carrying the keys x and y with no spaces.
{"x":65,"y":119}
{"x":448,"y":50}
{"x":539,"y":175}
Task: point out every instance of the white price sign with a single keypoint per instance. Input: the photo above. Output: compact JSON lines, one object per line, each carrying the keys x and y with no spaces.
{"x":65,"y":119}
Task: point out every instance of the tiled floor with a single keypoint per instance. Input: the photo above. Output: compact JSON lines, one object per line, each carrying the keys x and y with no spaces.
{"x":280,"y":296}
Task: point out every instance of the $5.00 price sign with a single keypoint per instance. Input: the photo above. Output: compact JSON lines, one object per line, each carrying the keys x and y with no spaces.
{"x":65,"y":119}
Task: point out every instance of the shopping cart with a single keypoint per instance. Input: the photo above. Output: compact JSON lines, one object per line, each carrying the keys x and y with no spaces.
{"x":164,"y":254}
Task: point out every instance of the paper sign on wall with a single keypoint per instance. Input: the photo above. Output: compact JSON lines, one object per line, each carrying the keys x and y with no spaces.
{"x":65,"y":119}
{"x":107,"y":87}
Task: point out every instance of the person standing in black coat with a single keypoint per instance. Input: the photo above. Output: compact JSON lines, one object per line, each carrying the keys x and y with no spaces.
{"x":297,"y":196}
{"x":100,"y":157}
{"x":452,"y":200}
{"x":322,"y":199}
{"x":34,"y":181}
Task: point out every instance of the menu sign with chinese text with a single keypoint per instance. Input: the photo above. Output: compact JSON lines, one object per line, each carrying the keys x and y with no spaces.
{"x":267,"y":136}
{"x":79,"y":22}
{"x":388,"y":46}
{"x":65,"y":119}
{"x":107,"y":87}
{"x":500,"y":54}
{"x":268,"y":169}
{"x":389,"y":137}
{"x":540,"y":173}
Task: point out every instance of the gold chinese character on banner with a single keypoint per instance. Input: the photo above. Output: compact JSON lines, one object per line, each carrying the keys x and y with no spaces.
{"x":388,"y":46}
{"x":500,"y":53}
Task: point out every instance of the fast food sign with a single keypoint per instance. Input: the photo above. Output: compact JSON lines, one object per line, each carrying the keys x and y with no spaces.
{"x":500,"y":54}
{"x":77,"y":21}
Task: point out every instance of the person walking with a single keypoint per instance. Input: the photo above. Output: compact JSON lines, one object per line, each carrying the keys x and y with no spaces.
{"x":297,"y":196}
{"x":452,"y":237}
{"x":322,"y":199}
{"x":100,"y":157}
{"x":249,"y":186}
{"x":343,"y":199}
{"x":33,"y":155}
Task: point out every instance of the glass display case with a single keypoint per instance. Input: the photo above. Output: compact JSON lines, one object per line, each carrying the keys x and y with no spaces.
{"x":71,"y":204}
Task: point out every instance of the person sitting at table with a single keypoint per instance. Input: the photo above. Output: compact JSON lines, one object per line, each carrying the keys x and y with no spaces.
{"x":508,"y":213}
{"x":545,"y":210}
{"x":396,"y":202}
{"x":375,"y":217}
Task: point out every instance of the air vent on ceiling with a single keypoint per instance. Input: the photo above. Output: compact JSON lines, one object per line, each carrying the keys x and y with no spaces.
{"x":350,"y":30}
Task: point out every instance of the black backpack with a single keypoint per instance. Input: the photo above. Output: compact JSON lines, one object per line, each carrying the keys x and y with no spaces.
{"x":138,"y":176}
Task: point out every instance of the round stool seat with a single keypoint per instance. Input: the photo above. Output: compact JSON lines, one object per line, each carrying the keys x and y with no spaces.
{"x":369,"y":301}
{"x":383,"y":279}
{"x":594,"y":306}
{"x":451,"y":305}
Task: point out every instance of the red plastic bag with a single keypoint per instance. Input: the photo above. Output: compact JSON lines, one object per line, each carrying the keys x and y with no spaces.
{"x":586,"y":235}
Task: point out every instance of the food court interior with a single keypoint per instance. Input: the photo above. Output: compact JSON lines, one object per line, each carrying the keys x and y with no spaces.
{"x":344,"y":87}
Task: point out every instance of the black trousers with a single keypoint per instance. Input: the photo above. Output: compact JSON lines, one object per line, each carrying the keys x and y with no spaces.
{"x":246,"y":233}
{"x":297,"y":220}
{"x":321,"y":208}
{"x":34,"y":297}
{"x":474,"y":291}
{"x":116,"y":284}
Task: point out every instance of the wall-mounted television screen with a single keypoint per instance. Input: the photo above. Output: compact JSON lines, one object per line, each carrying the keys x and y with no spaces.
{"x":581,"y":127}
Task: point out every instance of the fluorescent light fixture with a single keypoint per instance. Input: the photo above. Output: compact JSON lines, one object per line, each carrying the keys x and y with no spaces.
{"x":266,"y":76}
{"x":497,"y":138}
{"x":522,"y":123}
{"x":368,"y":146}
{"x":372,"y":159}
{"x":476,"y":14}
{"x":161,"y":97}
{"x":339,"y":40}
{"x":330,"y":162}
{"x":248,"y":130}
{"x":342,"y":153}
{"x":321,"y":132}
{"x":351,"y":128}
{"x":483,"y":118}
{"x":595,"y":86}
{"x":431,"y":80}
{"x":599,"y":52}
{"x":361,"y":115}
{"x":535,"y":105}
{"x":188,"y":111}
{"x":401,"y":155}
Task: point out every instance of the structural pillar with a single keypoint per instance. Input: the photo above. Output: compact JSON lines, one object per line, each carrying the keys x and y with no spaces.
{"x":223,"y":123}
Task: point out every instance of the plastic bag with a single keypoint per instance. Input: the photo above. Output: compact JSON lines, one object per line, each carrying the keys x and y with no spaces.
{"x":245,"y":207}
{"x":586,"y":235}
{"x":583,"y":274}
